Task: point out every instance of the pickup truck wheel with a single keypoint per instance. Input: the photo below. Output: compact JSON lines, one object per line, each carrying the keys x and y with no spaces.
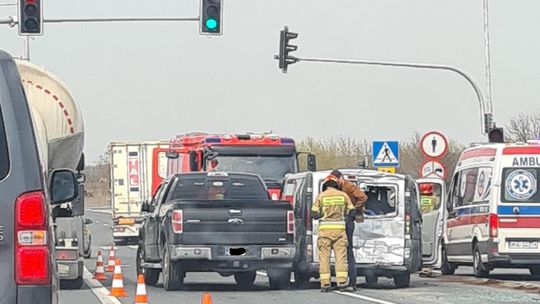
{"x":279,"y":278}
{"x":151,"y":275}
{"x":72,"y":284}
{"x":245,"y":279}
{"x":301,"y":279}
{"x":402,"y":280}
{"x":480,"y":270}
{"x":173,"y":277}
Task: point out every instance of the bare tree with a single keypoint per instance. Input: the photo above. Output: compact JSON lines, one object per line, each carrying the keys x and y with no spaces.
{"x":523,"y":127}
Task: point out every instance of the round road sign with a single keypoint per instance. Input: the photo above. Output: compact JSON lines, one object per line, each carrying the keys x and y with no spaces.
{"x":433,"y":169}
{"x":434,"y":144}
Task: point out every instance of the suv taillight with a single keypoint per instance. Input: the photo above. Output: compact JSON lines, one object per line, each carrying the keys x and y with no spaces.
{"x":290,"y":222}
{"x":177,"y":220}
{"x":31,"y":250}
{"x":493,"y":225}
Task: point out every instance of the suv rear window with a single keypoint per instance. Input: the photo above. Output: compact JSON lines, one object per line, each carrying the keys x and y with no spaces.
{"x":234,"y":188}
{"x":4,"y":157}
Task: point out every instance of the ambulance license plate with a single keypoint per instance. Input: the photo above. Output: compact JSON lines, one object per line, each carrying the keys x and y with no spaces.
{"x":523,"y":245}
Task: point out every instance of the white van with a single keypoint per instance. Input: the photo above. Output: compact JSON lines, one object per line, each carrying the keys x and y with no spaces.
{"x":494,"y":209}
{"x":387,"y":244}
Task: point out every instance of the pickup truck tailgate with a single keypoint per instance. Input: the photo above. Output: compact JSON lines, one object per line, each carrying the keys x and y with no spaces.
{"x":233,"y":222}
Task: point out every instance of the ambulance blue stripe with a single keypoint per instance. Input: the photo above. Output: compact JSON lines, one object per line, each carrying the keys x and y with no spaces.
{"x":523,"y":210}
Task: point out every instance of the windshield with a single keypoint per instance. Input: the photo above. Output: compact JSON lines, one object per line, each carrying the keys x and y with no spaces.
{"x":521,"y":185}
{"x":270,"y":168}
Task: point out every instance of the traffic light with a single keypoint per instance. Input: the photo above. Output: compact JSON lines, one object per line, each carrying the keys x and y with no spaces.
{"x":496,"y":135}
{"x":30,"y":17}
{"x":211,"y":16}
{"x":285,"y":49}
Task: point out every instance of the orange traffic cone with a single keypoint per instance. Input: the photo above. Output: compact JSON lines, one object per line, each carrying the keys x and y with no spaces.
{"x":112,"y":258}
{"x":100,"y":271}
{"x":141,"y":297}
{"x":206,"y":299}
{"x":117,"y":289}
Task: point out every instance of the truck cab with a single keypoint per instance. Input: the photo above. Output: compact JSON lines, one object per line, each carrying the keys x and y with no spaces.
{"x":268,"y":155}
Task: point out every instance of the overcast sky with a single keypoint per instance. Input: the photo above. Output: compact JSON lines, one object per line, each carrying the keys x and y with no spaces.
{"x":152,"y":81}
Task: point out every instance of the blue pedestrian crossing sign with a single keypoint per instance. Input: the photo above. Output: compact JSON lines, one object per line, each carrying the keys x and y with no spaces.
{"x":385,"y":154}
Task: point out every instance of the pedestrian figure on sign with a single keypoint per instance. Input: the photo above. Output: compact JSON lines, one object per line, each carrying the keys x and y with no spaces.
{"x":387,"y":154}
{"x":434,"y":144}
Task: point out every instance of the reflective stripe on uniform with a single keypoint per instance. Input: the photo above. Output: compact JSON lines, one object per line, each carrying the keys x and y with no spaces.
{"x":332,"y":227}
{"x":324,"y":276}
{"x":325,"y":225}
{"x":333,"y":201}
{"x":342,"y":274}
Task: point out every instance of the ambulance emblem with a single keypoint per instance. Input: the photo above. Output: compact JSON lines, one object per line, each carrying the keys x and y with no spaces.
{"x":521,"y":185}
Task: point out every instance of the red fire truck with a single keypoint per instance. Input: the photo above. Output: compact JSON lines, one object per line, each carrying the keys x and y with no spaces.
{"x":268,"y":155}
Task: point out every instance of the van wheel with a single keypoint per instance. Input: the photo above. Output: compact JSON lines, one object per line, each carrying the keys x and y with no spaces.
{"x":301,"y":279}
{"x":535,"y":270}
{"x":173,"y":277}
{"x":72,"y":284}
{"x":372,"y":280}
{"x":480,"y":270}
{"x":245,"y":279}
{"x":151,"y":275}
{"x":279,"y":278}
{"x":447,"y":267}
{"x":402,"y":279}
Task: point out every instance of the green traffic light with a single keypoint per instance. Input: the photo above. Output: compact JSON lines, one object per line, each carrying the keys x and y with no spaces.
{"x":211,"y":24}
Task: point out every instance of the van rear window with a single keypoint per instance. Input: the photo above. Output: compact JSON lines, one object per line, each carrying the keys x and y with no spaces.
{"x":4,"y":157}
{"x":382,"y":201}
{"x":521,"y":185}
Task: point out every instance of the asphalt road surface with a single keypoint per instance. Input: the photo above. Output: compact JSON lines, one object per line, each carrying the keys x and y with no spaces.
{"x":504,"y":286}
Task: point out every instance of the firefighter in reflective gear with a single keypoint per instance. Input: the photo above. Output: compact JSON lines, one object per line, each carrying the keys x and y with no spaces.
{"x":331,"y":208}
{"x":358,"y":198}
{"x":428,"y":199}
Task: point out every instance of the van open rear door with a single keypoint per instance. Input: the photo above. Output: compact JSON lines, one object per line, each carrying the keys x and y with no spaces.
{"x":432,"y":197}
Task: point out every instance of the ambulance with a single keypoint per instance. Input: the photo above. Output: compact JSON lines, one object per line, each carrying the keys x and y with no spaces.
{"x":494,"y":209}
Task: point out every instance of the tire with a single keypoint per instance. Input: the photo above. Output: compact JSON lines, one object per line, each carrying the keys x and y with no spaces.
{"x":151,"y":275}
{"x":372,"y":280}
{"x":245,"y":280}
{"x":301,"y":279}
{"x":402,"y":279}
{"x":72,"y":284}
{"x":279,"y":278}
{"x":173,"y":277}
{"x":535,"y":270}
{"x":447,"y":267}
{"x":479,"y":269}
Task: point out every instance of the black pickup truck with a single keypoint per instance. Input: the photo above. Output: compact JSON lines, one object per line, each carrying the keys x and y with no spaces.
{"x":218,"y":222}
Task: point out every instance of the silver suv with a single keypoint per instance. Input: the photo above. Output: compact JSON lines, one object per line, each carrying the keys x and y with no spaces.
{"x":26,"y":192}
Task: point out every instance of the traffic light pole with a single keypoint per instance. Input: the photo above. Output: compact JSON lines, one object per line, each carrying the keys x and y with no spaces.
{"x":486,"y":117}
{"x":13,"y":22}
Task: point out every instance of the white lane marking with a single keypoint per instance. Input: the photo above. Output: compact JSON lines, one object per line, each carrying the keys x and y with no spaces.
{"x":361,"y":297}
{"x":106,"y":225}
{"x":98,"y":289}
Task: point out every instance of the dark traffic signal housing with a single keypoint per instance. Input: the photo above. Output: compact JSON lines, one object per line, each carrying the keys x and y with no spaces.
{"x":30,"y":17}
{"x":496,"y":135}
{"x":285,"y":48}
{"x":211,"y":17}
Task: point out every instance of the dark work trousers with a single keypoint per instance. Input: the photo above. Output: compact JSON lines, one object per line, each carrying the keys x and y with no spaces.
{"x":350,"y":255}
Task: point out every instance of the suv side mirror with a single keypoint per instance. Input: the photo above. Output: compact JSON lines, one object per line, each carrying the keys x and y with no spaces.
{"x":81,"y":178}
{"x":311,"y":162}
{"x":193,"y":161}
{"x":88,"y":221}
{"x":145,"y":207}
{"x":63,"y":187}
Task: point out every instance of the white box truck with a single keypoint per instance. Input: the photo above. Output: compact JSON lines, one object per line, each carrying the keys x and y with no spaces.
{"x":137,"y":169}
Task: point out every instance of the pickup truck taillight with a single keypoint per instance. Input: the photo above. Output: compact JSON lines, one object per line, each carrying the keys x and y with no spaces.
{"x":290,"y":222}
{"x":493,"y":225}
{"x":31,"y":250}
{"x":177,"y":220}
